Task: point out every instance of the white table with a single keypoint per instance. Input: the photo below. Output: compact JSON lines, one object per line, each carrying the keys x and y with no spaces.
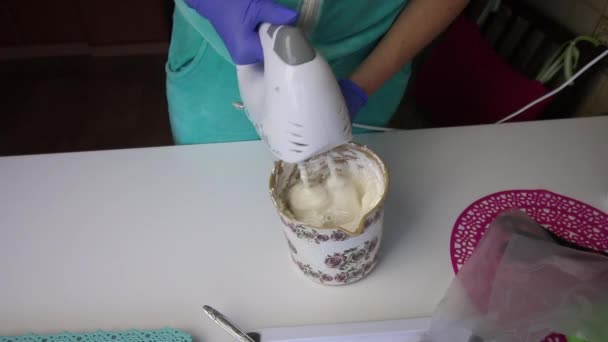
{"x":143,"y":238}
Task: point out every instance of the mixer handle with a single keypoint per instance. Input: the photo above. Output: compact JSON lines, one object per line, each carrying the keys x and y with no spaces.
{"x":281,"y":44}
{"x":288,"y":42}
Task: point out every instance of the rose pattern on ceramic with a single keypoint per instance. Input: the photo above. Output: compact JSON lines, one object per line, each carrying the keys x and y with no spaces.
{"x":333,"y":256}
{"x":352,"y":256}
{"x":341,"y":278}
{"x":350,"y":265}
{"x":372,"y":219}
{"x":312,"y":235}
{"x":347,"y":275}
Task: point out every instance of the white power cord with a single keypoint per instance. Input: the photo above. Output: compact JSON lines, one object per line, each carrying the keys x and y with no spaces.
{"x":374,"y":128}
{"x":524,"y":108}
{"x":556,"y":90}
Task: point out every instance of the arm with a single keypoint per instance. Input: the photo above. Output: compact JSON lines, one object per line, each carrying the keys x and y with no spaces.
{"x":419,"y":23}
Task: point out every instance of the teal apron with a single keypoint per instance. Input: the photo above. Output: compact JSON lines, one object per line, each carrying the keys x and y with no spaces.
{"x":202,"y":89}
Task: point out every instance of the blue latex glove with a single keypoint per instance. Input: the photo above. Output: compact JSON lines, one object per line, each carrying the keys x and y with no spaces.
{"x":236,"y":21}
{"x":354,"y":96}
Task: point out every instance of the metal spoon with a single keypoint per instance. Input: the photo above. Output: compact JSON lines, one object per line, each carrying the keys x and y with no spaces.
{"x":226,"y":324}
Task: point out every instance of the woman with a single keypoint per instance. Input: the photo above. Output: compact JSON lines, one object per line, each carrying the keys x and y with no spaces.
{"x":368,"y":44}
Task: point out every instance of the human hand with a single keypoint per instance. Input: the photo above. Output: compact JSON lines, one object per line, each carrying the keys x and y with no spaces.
{"x":237,"y":21}
{"x":354,"y":96}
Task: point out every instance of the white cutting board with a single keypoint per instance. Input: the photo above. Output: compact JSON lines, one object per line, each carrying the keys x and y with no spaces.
{"x":408,"y":330}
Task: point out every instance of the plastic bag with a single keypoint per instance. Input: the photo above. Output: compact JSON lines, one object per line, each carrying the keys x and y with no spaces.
{"x":520,"y":285}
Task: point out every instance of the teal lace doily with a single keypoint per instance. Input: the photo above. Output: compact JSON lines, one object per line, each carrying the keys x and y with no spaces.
{"x":164,"y":335}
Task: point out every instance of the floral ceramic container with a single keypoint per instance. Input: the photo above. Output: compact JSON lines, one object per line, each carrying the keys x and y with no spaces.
{"x":333,"y":256}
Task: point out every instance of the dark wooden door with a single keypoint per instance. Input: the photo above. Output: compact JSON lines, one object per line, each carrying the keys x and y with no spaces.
{"x":39,"y":22}
{"x":94,"y":22}
{"x":125,"y":21}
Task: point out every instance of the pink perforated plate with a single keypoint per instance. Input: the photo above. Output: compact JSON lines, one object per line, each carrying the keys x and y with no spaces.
{"x":568,"y":218}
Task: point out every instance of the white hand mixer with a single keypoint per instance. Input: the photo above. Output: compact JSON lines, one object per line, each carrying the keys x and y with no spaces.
{"x":293,"y":98}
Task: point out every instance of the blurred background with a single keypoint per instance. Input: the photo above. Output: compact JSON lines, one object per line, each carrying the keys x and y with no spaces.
{"x":88,"y":75}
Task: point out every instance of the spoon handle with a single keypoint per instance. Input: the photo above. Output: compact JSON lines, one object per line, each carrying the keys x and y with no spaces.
{"x":226,"y":324}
